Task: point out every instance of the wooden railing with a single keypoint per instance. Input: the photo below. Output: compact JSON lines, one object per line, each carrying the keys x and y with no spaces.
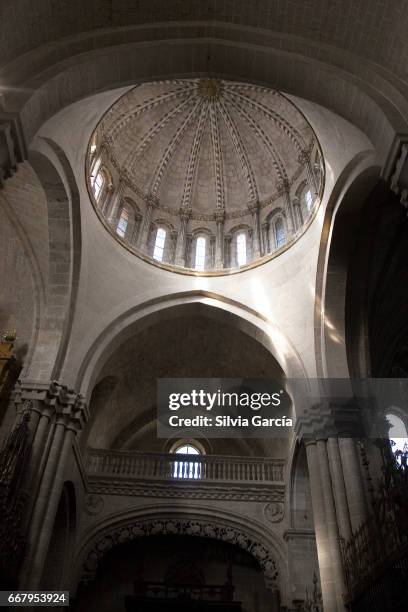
{"x":160,"y":466}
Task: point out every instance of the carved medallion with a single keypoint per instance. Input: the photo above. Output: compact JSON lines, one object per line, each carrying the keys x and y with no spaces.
{"x":274,"y":512}
{"x":93,"y":504}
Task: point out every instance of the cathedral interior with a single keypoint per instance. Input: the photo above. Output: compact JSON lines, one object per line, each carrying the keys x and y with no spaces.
{"x":203,"y":189}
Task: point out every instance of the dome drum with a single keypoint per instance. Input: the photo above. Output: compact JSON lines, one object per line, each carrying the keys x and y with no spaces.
{"x":205,"y":176}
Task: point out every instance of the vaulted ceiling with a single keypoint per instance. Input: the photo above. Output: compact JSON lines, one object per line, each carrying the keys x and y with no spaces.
{"x":208,"y":145}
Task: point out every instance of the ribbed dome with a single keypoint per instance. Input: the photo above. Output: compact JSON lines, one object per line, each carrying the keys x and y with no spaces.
{"x":210,"y":149}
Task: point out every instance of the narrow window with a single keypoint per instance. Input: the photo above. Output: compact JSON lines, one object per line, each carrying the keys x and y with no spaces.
{"x":309,"y":200}
{"x":122,"y":223}
{"x":200,"y":253}
{"x":186,"y":467}
{"x":280,"y":234}
{"x":95,"y":170}
{"x":159,"y":244}
{"x":98,"y":185}
{"x":241,"y":250}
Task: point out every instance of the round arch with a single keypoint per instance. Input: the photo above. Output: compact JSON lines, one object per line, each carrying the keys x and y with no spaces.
{"x":201,"y":522}
{"x":64,"y":230}
{"x":230,"y":52}
{"x":113,"y":333}
{"x":337,"y":239}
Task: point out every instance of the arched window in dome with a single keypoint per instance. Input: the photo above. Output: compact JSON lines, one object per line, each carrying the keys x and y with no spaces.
{"x":123,"y":223}
{"x":201,"y":247}
{"x":309,"y":200}
{"x":160,"y":241}
{"x":241,"y":249}
{"x":398,"y":437}
{"x":298,"y":215}
{"x":280,"y":233}
{"x":188,"y":466}
{"x":98,"y":184}
{"x":96,"y":164}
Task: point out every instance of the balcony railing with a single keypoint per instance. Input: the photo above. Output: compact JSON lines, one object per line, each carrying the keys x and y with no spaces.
{"x":160,"y":466}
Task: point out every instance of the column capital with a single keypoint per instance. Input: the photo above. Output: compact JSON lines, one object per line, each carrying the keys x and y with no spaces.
{"x":52,"y":399}
{"x":152,"y":201}
{"x":326,"y":419}
{"x":220,"y":215}
{"x":284,"y":186}
{"x":185,"y":213}
{"x":304,"y":157}
{"x":254,"y":207}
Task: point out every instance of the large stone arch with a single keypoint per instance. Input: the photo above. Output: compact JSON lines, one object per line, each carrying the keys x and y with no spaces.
{"x":334,"y":28}
{"x":113,"y":333}
{"x":64,"y":232}
{"x":337,"y":240}
{"x":20,"y":259}
{"x":148,"y":522}
{"x":363,"y":97}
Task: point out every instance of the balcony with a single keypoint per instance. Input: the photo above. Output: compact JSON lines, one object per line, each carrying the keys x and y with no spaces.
{"x":157,"y":473}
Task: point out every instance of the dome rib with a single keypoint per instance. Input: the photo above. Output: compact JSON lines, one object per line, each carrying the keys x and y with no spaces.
{"x":208,"y":156}
{"x":193,"y":158}
{"x":217,"y":157}
{"x":276,"y":160}
{"x":148,"y":105}
{"x":169,"y":151}
{"x":284,"y":125}
{"x":155,"y":129}
{"x":242,"y":154}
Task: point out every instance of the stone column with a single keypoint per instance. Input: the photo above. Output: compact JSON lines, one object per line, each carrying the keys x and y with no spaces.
{"x":113,"y":205}
{"x":265,"y":238}
{"x":35,"y":398}
{"x":219,"y":239}
{"x":172,"y":247}
{"x":298,"y":222}
{"x":227,"y":247}
{"x":180,"y":258}
{"x":354,"y":483}
{"x":304,"y":159}
{"x":144,"y":231}
{"x":332,"y":526}
{"x":64,"y":417}
{"x":321,"y":529}
{"x":289,"y":210}
{"x":339,"y":488}
{"x":256,"y":232}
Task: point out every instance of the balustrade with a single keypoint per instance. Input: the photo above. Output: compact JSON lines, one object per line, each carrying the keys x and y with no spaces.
{"x":160,"y":466}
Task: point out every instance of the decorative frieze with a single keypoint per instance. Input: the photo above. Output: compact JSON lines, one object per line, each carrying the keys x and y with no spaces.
{"x":184,"y":490}
{"x":207,"y":528}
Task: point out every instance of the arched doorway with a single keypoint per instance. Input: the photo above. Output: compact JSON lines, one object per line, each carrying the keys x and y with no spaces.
{"x":176,"y":572}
